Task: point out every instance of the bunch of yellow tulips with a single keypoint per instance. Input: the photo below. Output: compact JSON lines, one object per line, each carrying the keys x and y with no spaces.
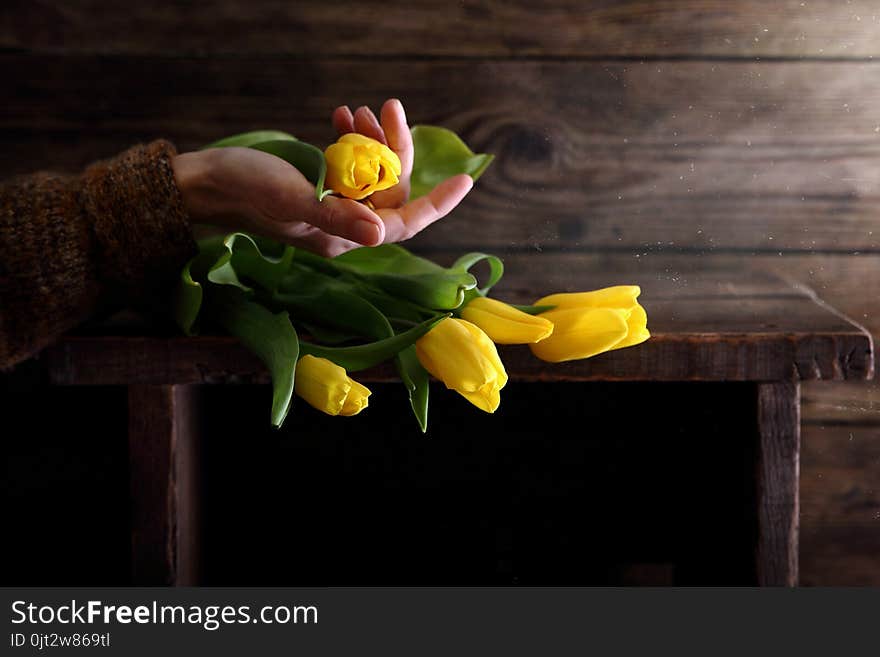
{"x":427,"y":319}
{"x":461,"y":351}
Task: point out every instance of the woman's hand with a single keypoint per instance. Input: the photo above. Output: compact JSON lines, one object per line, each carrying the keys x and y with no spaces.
{"x":402,"y":220}
{"x":245,"y":189}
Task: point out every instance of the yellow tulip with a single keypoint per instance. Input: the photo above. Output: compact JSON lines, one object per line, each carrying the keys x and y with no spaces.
{"x":327,"y":387}
{"x":466,"y":360}
{"x":504,"y":324}
{"x":357,"y":166}
{"x":589,"y":323}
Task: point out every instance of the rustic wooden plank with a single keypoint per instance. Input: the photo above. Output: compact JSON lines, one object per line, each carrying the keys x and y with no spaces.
{"x":591,"y":154}
{"x":660,"y":276}
{"x":150,"y":439}
{"x":848,"y":403}
{"x":634,"y":28}
{"x":716,"y":333}
{"x":840,"y":501}
{"x":714,"y":340}
{"x":840,"y":280}
{"x":187,"y":483}
{"x":777,"y":475}
{"x":164,"y":482}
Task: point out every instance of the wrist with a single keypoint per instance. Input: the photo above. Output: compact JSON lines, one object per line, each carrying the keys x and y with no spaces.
{"x":191,"y":174}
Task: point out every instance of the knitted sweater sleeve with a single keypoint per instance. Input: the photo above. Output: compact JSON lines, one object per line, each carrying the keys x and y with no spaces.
{"x":116,"y":234}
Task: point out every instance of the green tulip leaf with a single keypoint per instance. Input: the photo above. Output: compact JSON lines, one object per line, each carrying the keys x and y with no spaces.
{"x":252,"y":287}
{"x":348,"y":304}
{"x":321,"y":299}
{"x":533,"y":310}
{"x":496,"y":268}
{"x":326,"y":335}
{"x":441,"y":154}
{"x":308,"y":159}
{"x":417,"y":381}
{"x":496,"y":271}
{"x":400,"y":273}
{"x":189,"y":293}
{"x":270,"y":336}
{"x":248,"y":139}
{"x":243,"y":258}
{"x":393,"y":307}
{"x":188,"y":301}
{"x":361,"y":357}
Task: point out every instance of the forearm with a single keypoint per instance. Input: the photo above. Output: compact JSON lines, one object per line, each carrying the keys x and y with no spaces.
{"x":117,"y":233}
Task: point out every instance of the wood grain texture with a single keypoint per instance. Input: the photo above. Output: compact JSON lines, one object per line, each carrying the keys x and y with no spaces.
{"x":634,"y":156}
{"x":634,"y":28}
{"x":666,"y":357}
{"x":842,"y":404}
{"x":840,"y":503}
{"x":777,"y":475}
{"x":840,"y":280}
{"x":187,"y":486}
{"x":840,"y":498}
{"x":718,"y":335}
{"x":651,"y":133}
{"x":150,"y":440}
{"x":164,"y":483}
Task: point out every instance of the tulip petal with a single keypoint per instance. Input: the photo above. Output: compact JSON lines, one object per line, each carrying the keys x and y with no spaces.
{"x":358,"y":166}
{"x":357,"y":139}
{"x":504,"y":324}
{"x":387,"y":177}
{"x":581,"y":333}
{"x":322,"y":383}
{"x":489,"y":352}
{"x":356,"y":400}
{"x":366,"y":168}
{"x":487,"y":398}
{"x":618,"y":296}
{"x":637,"y":329}
{"x":340,"y":169}
{"x":450,"y":353}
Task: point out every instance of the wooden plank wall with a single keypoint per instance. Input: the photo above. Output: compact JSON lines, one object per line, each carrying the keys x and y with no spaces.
{"x":642,"y":136}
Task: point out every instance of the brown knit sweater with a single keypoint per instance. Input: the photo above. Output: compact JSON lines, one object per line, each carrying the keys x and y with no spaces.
{"x":118,"y":234}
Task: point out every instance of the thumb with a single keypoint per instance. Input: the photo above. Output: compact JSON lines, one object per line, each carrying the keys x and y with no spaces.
{"x":345,"y":218}
{"x":288,"y":200}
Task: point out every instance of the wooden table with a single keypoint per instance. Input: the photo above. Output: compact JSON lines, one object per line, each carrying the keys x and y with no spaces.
{"x":728,"y":327}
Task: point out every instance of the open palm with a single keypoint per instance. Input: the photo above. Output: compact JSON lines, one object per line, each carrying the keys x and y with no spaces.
{"x":402,"y":220}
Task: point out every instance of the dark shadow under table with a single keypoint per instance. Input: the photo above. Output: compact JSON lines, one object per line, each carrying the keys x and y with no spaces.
{"x":672,"y":462}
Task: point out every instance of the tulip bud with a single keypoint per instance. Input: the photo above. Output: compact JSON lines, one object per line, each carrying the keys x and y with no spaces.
{"x":327,"y":387}
{"x":590,"y":323}
{"x":466,"y":360}
{"x":505,"y":324}
{"x":357,"y":166}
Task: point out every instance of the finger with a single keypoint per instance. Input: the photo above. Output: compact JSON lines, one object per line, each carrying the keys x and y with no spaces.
{"x":345,"y":218}
{"x":283,"y":197}
{"x":400,"y":141}
{"x":398,"y":134}
{"x":366,"y":123}
{"x":403,"y":223}
{"x":257,"y":192}
{"x":394,"y":197}
{"x":343,"y":121}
